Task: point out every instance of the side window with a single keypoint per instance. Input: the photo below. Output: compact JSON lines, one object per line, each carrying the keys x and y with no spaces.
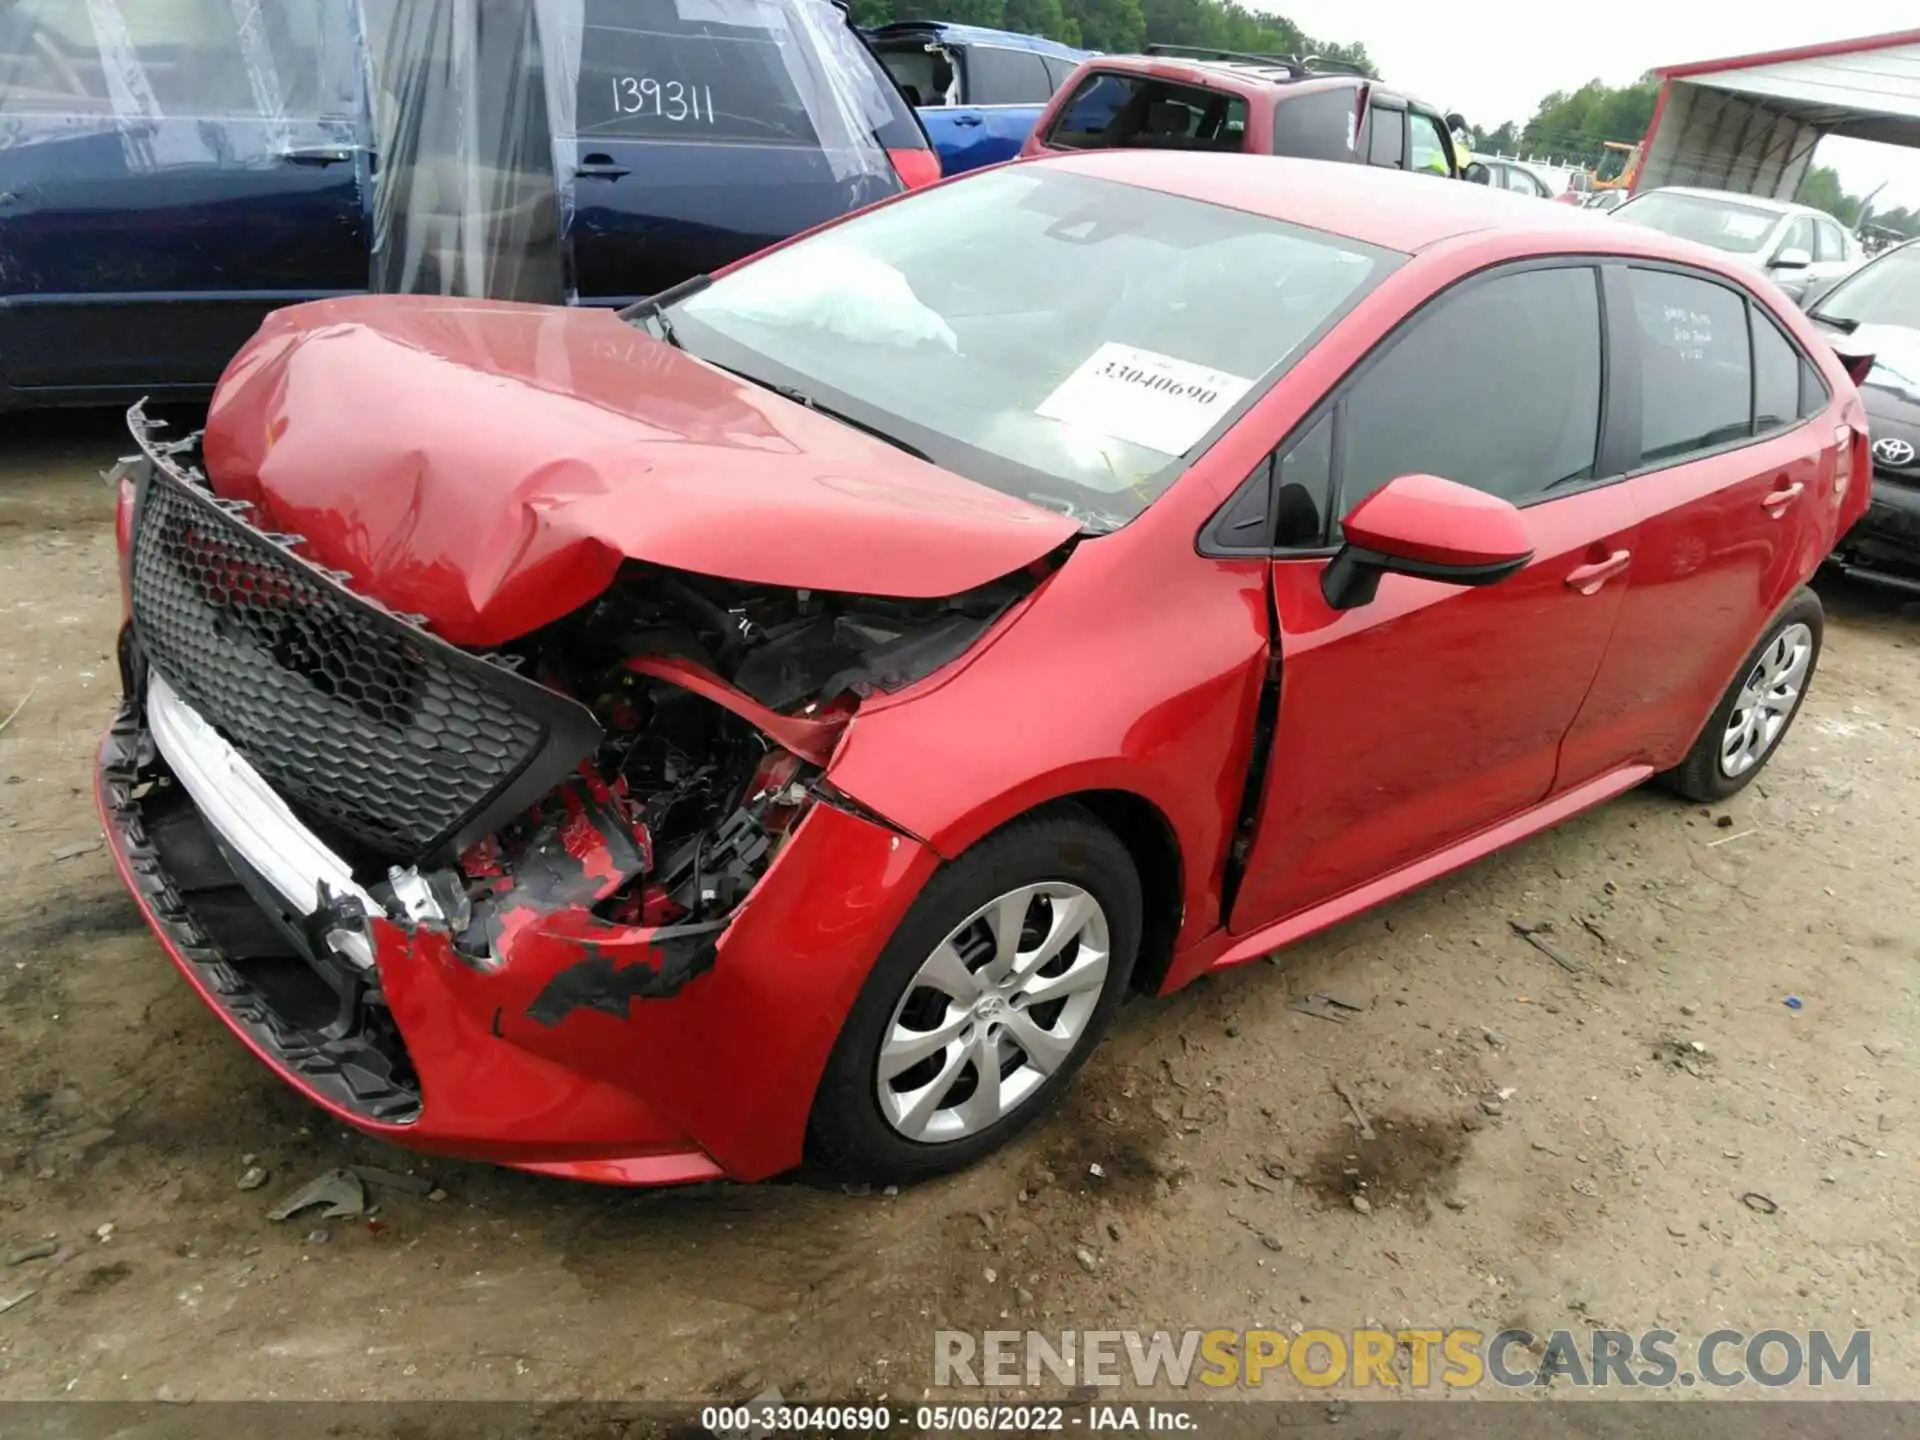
{"x":1305,"y":477}
{"x":1059,"y":71}
{"x":657,"y":70}
{"x":1431,"y":153}
{"x":187,"y":59}
{"x":1828,"y":243}
{"x":1799,"y":236}
{"x":1387,"y":137}
{"x":1317,"y":125}
{"x":1139,"y":112}
{"x":923,"y":72}
{"x":1814,"y":394}
{"x":1696,"y":378}
{"x":1776,"y":376}
{"x":1497,"y":387}
{"x":1005,"y":77}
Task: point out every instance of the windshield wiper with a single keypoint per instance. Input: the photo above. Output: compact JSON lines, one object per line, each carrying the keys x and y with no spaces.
{"x":654,"y":307}
{"x":800,"y":397}
{"x":1838,"y":322}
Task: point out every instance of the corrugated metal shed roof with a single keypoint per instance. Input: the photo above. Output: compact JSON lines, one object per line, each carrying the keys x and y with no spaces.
{"x":1868,"y":89}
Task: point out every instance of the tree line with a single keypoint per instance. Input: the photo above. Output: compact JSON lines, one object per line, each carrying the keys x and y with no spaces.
{"x":1122,"y":26}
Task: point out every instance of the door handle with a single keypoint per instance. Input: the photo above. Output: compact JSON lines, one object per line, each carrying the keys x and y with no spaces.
{"x":1589,"y":578}
{"x":599,"y":167}
{"x":967,"y":119}
{"x":1777,"y":502}
{"x":318,"y":155}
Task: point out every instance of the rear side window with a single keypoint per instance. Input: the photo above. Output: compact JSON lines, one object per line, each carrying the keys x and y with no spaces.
{"x":1497,"y":386}
{"x":1005,"y":77}
{"x":1814,"y":394}
{"x":1140,"y":112}
{"x":720,"y":70}
{"x":1059,"y":71}
{"x":1387,"y":137}
{"x":1318,"y":125}
{"x":1696,"y":372}
{"x":1776,"y":377}
{"x":923,"y":72}
{"x":184,"y":59}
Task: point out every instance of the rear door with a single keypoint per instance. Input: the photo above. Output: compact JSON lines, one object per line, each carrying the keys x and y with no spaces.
{"x":691,"y":133}
{"x":1409,"y":723}
{"x":168,"y":174}
{"x":1002,"y":92}
{"x":1731,"y":481}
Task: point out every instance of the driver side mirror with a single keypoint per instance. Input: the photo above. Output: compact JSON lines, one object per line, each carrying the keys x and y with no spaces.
{"x":1790,"y":259}
{"x":1428,"y":528}
{"x":1478,"y":174}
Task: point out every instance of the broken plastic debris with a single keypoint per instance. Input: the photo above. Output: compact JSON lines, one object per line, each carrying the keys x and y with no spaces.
{"x":339,"y":1190}
{"x":1326,"y":1008}
{"x":392,"y":1179}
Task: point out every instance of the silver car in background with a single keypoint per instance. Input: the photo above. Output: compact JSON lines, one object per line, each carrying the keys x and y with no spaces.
{"x":1795,"y":245}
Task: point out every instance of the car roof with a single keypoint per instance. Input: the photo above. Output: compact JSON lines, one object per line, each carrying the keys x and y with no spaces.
{"x":1757,"y":202}
{"x":974,"y":35}
{"x":1393,"y":209}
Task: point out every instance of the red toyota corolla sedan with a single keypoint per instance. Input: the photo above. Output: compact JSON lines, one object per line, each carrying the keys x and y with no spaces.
{"x":787,"y":718}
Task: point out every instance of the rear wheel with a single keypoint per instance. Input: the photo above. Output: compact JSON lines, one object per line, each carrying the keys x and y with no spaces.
{"x":1752,"y":718}
{"x":987,"y":999}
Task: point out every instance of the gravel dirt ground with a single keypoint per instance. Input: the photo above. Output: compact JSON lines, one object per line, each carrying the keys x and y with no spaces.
{"x":1553,"y":1148}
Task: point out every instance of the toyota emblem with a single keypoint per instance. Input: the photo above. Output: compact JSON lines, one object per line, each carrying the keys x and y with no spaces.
{"x":1892,"y":450}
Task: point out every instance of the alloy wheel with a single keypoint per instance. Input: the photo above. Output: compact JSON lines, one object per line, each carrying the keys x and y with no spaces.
{"x":999,"y":1006}
{"x":1766,"y":700}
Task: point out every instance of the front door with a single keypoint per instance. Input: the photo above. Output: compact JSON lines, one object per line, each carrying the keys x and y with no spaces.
{"x":1734,"y":475}
{"x":1432,"y":712}
{"x":170,"y":173}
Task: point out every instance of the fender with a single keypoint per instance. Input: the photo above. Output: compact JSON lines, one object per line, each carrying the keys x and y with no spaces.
{"x":1124,"y":673}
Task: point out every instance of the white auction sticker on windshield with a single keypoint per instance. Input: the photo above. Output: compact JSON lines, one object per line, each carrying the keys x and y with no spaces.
{"x":1144,"y":398}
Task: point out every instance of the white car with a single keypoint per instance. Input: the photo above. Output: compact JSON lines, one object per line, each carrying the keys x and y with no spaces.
{"x":1796,"y":245}
{"x":1504,"y":174}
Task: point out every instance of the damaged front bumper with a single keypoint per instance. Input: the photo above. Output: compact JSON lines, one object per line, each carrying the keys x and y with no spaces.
{"x":621,"y":1053}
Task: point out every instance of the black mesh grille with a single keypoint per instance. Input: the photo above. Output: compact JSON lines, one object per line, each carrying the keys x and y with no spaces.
{"x":357,"y":719}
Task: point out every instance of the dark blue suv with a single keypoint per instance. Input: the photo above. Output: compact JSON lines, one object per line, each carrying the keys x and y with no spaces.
{"x":171,"y":170}
{"x":978,"y":91}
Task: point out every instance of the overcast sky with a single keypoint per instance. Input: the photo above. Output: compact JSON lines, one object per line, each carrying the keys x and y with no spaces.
{"x":1494,"y":60}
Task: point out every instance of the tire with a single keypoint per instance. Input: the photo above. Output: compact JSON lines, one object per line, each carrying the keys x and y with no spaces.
{"x":1714,"y":768}
{"x":863,"y":1126}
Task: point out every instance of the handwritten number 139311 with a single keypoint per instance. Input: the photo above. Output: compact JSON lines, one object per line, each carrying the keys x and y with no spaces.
{"x":671,"y":100}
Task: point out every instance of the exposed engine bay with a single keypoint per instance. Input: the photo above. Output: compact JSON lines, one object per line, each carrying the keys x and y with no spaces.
{"x":718,"y":703}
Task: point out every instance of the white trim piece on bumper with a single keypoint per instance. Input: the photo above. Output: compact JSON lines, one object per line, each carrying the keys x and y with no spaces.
{"x":236,"y":801}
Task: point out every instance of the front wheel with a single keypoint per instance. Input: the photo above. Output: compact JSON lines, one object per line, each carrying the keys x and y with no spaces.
{"x":990,"y":995}
{"x":1752,"y":718}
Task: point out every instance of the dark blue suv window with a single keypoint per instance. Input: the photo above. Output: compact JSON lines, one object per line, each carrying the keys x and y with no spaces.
{"x":647,"y":73}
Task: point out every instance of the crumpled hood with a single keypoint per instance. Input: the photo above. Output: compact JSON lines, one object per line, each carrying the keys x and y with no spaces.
{"x":490,"y":465}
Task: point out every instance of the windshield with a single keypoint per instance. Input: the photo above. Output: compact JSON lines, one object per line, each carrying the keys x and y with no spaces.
{"x":1060,"y":338}
{"x":1887,"y":292}
{"x":1723,"y":224}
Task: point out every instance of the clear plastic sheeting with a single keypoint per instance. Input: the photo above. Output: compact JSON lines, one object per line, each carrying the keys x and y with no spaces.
{"x":465,"y":202}
{"x":245,"y":74}
{"x":777,"y":72}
